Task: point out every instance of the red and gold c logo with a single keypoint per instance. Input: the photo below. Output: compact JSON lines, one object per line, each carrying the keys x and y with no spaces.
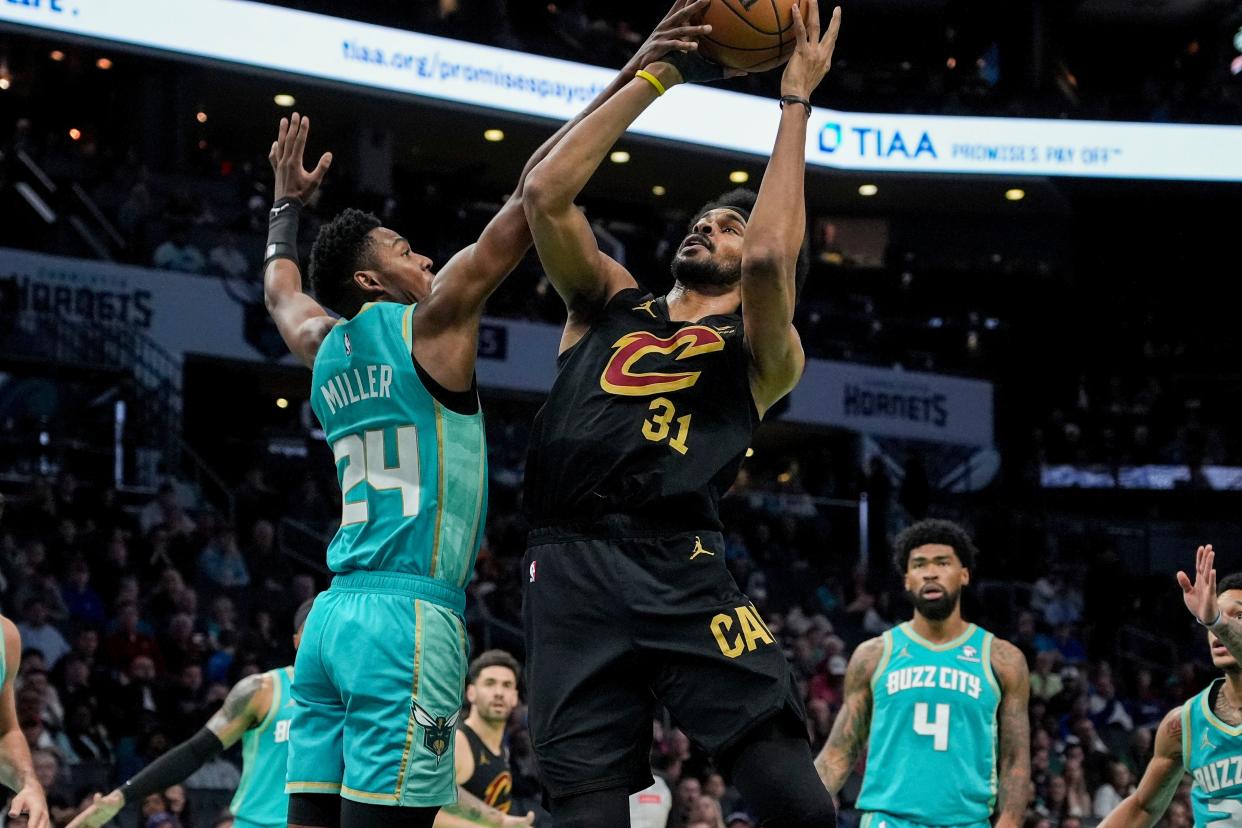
{"x":620,"y":378}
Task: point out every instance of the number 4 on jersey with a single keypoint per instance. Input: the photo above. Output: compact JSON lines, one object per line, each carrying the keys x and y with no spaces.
{"x":938,"y":728}
{"x":367,"y":461}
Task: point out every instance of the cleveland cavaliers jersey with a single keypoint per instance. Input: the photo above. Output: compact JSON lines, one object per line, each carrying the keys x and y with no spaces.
{"x":647,"y":417}
{"x":492,"y":781}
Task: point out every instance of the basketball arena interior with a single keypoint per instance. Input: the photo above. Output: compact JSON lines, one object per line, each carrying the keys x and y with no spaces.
{"x":1022,"y":226}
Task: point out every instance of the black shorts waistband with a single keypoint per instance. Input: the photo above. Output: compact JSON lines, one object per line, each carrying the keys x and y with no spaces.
{"x":613,"y":527}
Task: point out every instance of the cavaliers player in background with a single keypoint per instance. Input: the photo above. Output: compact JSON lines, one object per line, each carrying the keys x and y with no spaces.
{"x":481,"y":758}
{"x":628,"y":602}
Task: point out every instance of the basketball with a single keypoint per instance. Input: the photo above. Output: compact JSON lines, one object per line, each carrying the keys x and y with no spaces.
{"x":748,"y":33}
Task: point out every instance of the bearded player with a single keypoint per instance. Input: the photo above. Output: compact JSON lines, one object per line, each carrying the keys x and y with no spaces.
{"x":628,"y":602}
{"x":379,"y":681}
{"x":940,"y":705}
{"x":481,"y":761}
{"x":1203,"y":737}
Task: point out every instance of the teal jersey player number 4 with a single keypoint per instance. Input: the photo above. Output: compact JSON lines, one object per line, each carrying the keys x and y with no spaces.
{"x":933,"y":748}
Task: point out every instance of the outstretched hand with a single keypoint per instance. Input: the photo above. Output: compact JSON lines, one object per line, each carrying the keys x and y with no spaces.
{"x":100,"y":812}
{"x":1200,"y":596}
{"x":292,"y":179}
{"x":812,"y":57}
{"x":675,"y":42}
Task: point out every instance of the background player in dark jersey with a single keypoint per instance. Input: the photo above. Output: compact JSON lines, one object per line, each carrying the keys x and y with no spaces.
{"x":628,"y":601}
{"x":481,"y":760}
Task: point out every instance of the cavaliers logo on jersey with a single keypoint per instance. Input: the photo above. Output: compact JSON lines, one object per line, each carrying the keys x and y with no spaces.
{"x":620,"y":376}
{"x":437,"y":730}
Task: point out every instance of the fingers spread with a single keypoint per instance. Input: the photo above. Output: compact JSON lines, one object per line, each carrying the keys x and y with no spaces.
{"x":799,"y":25}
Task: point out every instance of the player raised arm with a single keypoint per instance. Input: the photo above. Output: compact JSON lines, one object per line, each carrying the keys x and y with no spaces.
{"x":1014,"y":770}
{"x":776,"y":228}
{"x":1201,"y":600}
{"x":245,"y":706}
{"x":584,"y":277}
{"x":1145,"y":807}
{"x":302,"y":322}
{"x":852,"y":727}
{"x":16,"y":769}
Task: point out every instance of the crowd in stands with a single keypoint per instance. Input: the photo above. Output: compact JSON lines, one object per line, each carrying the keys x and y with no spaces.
{"x":137,"y":619}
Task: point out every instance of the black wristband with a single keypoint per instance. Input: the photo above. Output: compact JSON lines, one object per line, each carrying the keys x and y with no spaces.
{"x":282,"y":231}
{"x":788,"y":99}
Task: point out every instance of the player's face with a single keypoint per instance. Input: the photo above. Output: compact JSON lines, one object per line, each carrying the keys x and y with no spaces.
{"x":494,"y":694}
{"x":934,"y":580}
{"x":711,"y":255}
{"x":1230,"y":603}
{"x":398,"y":273}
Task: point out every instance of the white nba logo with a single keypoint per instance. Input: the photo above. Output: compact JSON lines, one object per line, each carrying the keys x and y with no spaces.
{"x":348,"y":348}
{"x":532,"y":571}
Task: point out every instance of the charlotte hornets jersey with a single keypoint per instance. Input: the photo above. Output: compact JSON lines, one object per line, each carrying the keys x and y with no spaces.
{"x":933,"y":743}
{"x":1212,"y":754}
{"x":413,"y":473}
{"x":260,"y":799}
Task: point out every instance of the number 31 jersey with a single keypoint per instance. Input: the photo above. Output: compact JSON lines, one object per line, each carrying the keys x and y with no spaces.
{"x":933,"y":746}
{"x":413,"y":473}
{"x":648,"y":417}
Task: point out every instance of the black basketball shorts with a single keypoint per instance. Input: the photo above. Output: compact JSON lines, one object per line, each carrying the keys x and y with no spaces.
{"x":616,"y":625}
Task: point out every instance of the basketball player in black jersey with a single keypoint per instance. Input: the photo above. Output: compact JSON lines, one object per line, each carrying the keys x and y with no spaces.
{"x":628,"y":602}
{"x":481,"y":759}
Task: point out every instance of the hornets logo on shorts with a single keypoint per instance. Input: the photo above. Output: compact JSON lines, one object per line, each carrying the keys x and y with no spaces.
{"x":437,"y":730}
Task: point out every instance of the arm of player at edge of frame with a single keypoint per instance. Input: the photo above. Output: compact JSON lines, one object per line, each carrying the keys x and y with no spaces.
{"x":776,"y":229}
{"x":1014,"y":761}
{"x":1145,"y":807}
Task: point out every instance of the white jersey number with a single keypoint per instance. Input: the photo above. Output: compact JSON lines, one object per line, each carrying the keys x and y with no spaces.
{"x":365,"y":460}
{"x":938,"y":728}
{"x":1230,"y":809}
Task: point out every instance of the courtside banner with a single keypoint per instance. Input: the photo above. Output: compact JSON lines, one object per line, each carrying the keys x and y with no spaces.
{"x":186,"y":314}
{"x":328,"y":48}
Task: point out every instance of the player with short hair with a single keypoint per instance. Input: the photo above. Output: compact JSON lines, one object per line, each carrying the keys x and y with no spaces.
{"x":1203,"y":737}
{"x":16,"y":767}
{"x":940,"y":704}
{"x":379,"y":684}
{"x":258,"y":711}
{"x":481,"y":760}
{"x":628,"y":601}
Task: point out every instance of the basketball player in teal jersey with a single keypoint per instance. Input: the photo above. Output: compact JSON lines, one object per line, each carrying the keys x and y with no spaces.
{"x":379,"y":685}
{"x":259,"y":712}
{"x":1203,"y":737}
{"x":940,"y":705}
{"x":16,"y":771}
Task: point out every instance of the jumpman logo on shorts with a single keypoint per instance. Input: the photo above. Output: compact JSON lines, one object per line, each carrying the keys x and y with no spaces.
{"x":699,"y":549}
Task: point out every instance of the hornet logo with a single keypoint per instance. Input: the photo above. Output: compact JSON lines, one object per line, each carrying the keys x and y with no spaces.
{"x":437,"y":730}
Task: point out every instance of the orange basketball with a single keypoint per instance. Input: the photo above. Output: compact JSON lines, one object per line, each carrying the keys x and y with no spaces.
{"x":749,"y":33}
